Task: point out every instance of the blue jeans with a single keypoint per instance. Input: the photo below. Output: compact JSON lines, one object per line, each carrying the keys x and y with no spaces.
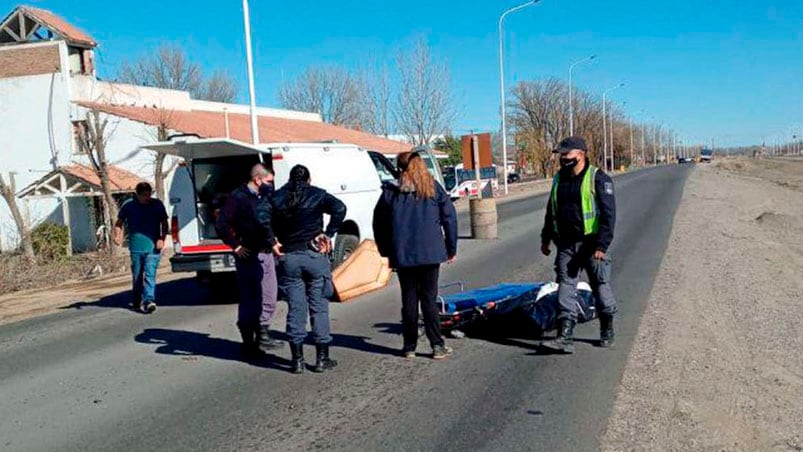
{"x":143,"y":269}
{"x":304,"y":276}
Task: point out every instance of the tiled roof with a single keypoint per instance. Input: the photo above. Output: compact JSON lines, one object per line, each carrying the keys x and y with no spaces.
{"x":120,"y":179}
{"x":59,"y":26}
{"x":208,"y":124}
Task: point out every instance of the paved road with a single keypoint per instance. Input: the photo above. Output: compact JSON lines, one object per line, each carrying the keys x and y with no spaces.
{"x":99,"y":377}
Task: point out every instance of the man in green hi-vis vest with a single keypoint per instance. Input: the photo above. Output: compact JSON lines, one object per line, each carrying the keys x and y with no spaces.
{"x":580,"y":218}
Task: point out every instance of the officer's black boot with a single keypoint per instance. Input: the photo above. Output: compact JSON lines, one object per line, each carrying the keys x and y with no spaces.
{"x":606,"y":330}
{"x":250,"y":347}
{"x":297,"y":350}
{"x":323,"y":362}
{"x":564,"y":343}
{"x":266,"y":341}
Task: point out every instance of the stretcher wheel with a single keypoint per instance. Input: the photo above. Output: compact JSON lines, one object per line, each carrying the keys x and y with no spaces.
{"x":456,"y":334}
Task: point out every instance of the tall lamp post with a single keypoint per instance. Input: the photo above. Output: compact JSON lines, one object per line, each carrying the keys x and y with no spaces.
{"x":250,"y":61}
{"x":604,"y":127}
{"x":502,"y":81}
{"x":571,"y":102}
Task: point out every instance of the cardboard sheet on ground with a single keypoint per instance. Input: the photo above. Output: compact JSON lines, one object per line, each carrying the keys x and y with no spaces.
{"x":364,"y":271}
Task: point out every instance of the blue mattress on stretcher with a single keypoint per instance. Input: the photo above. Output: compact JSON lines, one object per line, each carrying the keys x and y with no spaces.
{"x":505,"y":296}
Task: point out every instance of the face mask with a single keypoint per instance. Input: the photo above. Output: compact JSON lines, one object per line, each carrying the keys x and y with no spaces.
{"x":567,"y":163}
{"x":266,"y":188}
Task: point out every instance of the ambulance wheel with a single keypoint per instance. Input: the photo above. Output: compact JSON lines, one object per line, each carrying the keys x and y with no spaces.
{"x":219,"y":286}
{"x":344,"y":246}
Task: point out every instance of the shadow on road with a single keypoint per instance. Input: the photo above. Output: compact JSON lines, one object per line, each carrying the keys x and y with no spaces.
{"x":180,"y":292}
{"x":360,"y":343}
{"x":394,"y":328}
{"x":191,"y":343}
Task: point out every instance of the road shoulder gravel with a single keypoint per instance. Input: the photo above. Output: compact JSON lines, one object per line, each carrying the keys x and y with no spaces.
{"x":717,"y":363}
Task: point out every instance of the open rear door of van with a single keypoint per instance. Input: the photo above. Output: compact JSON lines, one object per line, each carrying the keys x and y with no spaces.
{"x":212,"y":168}
{"x":204,"y":148}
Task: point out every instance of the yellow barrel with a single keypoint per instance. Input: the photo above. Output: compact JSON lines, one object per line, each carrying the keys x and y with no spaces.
{"x":483,"y":218}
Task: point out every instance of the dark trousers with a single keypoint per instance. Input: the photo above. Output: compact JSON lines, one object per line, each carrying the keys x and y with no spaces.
{"x":420,"y":285}
{"x":303,"y":276}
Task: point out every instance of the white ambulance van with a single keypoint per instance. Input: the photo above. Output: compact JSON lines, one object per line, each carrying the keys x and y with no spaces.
{"x":214,"y":167}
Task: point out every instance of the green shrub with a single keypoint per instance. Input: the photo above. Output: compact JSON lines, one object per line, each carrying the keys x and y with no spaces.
{"x":50,"y":240}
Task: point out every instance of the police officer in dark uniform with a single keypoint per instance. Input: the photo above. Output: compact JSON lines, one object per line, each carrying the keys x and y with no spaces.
{"x":239,"y":228}
{"x":293,"y":222}
{"x":580,"y":220}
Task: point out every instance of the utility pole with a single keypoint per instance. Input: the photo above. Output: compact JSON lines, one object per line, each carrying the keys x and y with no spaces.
{"x":250,"y":61}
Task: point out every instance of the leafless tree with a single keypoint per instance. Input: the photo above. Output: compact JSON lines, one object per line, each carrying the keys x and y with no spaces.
{"x":8,"y":192}
{"x":92,"y":137}
{"x":160,"y":173}
{"x":424,"y":106}
{"x":219,"y":88}
{"x":170,"y":68}
{"x":378,"y":115}
{"x":539,"y":115}
{"x":337,"y":95}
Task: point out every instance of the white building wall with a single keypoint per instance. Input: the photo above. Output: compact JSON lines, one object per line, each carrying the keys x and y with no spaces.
{"x":35,"y":133}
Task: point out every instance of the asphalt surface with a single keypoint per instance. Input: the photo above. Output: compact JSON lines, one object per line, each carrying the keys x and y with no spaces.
{"x":100,"y":377}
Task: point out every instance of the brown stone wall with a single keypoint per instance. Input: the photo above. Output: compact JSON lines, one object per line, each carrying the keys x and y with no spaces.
{"x":21,"y":61}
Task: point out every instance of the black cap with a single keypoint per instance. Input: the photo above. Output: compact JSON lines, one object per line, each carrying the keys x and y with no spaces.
{"x":570,"y":143}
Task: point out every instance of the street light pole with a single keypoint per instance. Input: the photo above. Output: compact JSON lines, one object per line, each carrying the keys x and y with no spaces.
{"x":610,"y":126}
{"x":655,"y":145}
{"x":604,"y":132}
{"x":643,"y":132}
{"x":502,"y":81}
{"x":632,"y":156}
{"x":250,"y":61}
{"x":571,"y":103}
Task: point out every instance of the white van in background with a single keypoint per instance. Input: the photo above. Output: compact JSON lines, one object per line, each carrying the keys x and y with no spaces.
{"x":426,"y":154}
{"x":215,"y":167}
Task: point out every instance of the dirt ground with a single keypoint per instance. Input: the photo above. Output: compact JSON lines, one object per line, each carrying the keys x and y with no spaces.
{"x":17,"y":275}
{"x":717,"y":364}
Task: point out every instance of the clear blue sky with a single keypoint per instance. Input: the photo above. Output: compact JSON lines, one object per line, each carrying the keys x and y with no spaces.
{"x":730,"y":70}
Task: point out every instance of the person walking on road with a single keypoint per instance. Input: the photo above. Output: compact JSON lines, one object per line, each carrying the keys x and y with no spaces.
{"x":145,"y":220}
{"x":580,"y":218}
{"x":415,"y":227}
{"x":293,"y":222}
{"x":239,"y":228}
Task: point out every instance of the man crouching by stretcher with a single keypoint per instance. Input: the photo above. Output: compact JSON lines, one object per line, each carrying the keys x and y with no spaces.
{"x":580,"y":218}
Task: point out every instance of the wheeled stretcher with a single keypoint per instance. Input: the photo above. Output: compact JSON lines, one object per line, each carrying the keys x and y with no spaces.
{"x":459,"y":309}
{"x":538,"y":302}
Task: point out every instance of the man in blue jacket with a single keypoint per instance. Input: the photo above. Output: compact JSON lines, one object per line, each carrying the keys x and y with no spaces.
{"x":580,"y":218}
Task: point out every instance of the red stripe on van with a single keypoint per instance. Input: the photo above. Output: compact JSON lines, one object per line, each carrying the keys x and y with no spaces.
{"x":277,"y":156}
{"x":196,"y":249}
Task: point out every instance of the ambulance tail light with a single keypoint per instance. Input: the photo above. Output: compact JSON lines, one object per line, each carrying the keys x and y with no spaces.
{"x":174,"y":234}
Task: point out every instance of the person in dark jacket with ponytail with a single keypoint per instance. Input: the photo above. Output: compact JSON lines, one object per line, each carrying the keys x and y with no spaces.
{"x":293,"y":222}
{"x":415,"y":227}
